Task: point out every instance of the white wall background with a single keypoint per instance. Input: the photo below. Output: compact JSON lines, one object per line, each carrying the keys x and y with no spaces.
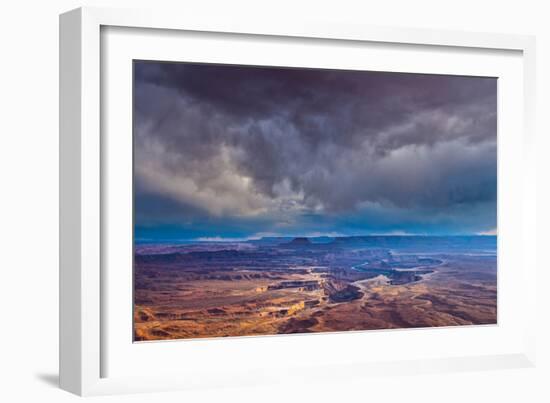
{"x":29,"y":201}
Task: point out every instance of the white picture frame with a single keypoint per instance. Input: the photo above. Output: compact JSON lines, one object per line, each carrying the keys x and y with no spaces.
{"x":86,"y":346}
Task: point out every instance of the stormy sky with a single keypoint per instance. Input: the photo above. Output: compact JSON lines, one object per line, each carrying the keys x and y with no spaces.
{"x":237,"y":152}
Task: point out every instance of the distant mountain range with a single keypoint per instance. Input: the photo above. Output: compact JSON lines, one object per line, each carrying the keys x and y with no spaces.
{"x":452,"y":242}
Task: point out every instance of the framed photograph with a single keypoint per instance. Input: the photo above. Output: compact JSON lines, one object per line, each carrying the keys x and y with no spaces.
{"x":247,"y":202}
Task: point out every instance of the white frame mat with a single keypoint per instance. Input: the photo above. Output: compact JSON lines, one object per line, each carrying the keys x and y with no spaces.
{"x":94,"y":350}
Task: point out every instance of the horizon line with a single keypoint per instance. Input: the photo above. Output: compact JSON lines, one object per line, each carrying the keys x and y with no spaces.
{"x":257,"y":238}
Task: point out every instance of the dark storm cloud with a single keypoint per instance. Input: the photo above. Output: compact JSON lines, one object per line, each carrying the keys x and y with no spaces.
{"x":282,"y":143}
